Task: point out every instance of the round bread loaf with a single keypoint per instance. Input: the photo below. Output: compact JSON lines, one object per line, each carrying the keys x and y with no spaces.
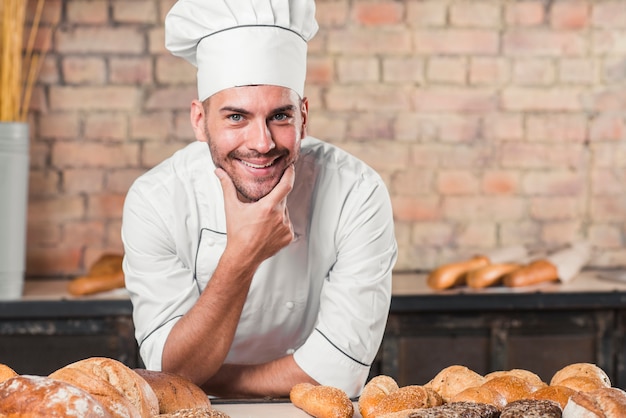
{"x":124,"y":379}
{"x":174,"y":392}
{"x":531,"y":378}
{"x":6,"y":372}
{"x":582,"y":383}
{"x":481,"y":394}
{"x":556,"y":393}
{"x":581,"y":369}
{"x":511,"y":387}
{"x":532,"y":408}
{"x":454,"y":379}
{"x":373,"y":392}
{"x":601,"y":403}
{"x":38,"y":396}
{"x":104,"y":392}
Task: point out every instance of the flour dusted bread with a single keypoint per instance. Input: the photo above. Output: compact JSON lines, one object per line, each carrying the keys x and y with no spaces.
{"x":109,"y":397}
{"x":174,"y":392}
{"x":321,"y":401}
{"x":6,"y":372}
{"x":130,"y":384}
{"x":601,"y":403}
{"x":38,"y":396}
{"x":454,"y":379}
{"x":511,"y":387}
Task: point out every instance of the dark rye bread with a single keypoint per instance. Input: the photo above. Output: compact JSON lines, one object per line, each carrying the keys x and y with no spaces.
{"x":458,"y":410}
{"x":532,"y":408}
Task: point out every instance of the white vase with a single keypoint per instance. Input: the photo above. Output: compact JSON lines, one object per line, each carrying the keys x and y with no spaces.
{"x":14,"y":167}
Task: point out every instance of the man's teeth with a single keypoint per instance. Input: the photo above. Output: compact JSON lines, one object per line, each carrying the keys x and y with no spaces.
{"x":257,"y":165}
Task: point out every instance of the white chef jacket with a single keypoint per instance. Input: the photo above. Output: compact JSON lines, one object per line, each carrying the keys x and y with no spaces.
{"x":325,"y":297}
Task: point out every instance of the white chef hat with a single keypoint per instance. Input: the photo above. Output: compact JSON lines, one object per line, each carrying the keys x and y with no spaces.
{"x":242,"y":42}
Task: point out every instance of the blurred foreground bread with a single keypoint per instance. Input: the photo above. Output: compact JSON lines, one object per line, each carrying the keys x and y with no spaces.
{"x":539,"y":271}
{"x":490,"y":275}
{"x":601,"y":403}
{"x":321,"y":401}
{"x":6,"y":372}
{"x":105,"y":274}
{"x":37,"y":396}
{"x":134,"y":388}
{"x":174,"y":392}
{"x":454,"y":274}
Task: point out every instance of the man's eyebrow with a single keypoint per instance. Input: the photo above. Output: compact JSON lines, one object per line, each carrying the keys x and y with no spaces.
{"x":234,"y":110}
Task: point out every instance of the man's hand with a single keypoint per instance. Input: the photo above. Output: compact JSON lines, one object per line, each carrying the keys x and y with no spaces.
{"x":258,"y":229}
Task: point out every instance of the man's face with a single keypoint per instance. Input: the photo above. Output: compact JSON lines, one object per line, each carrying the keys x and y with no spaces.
{"x":254,"y":134}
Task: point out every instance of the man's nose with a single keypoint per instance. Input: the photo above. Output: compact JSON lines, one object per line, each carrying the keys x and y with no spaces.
{"x":261,"y":138}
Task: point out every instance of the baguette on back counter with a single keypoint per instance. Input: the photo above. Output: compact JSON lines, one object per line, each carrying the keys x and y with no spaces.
{"x":105,"y":274}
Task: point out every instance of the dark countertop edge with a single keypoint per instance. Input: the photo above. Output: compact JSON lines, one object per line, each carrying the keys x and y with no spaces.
{"x":64,"y":308}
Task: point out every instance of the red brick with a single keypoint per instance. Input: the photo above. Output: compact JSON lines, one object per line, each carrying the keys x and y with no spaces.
{"x":332,"y":13}
{"x":106,"y":126}
{"x":503,"y":126}
{"x":119,"y":180}
{"x":156,"y":41}
{"x":53,"y":262}
{"x":477,"y":235}
{"x":555,"y":208}
{"x":43,"y":183}
{"x":362,"y":128}
{"x":57,"y":209}
{"x":576,"y":71}
{"x":174,"y":98}
{"x":605,"y":236}
{"x":536,"y":156}
{"x":457,"y":182}
{"x":561,"y":232}
{"x":557,"y":128}
{"x":182,"y":126}
{"x":78,"y":70}
{"x":174,"y":70}
{"x":327,"y":127}
{"x":320,"y":70}
{"x":484,"y":208}
{"x":154,"y":126}
{"x":59,"y":125}
{"x":456,"y":41}
{"x":554,"y":183}
{"x":527,"y":13}
{"x":103,"y":40}
{"x":51,"y":13}
{"x":83,"y":233}
{"x":403,"y":69}
{"x":569,"y":15}
{"x":447,"y":70}
{"x":540,"y":99}
{"x":164,"y":8}
{"x":81,"y":180}
{"x":606,"y":100}
{"x":475,"y":14}
{"x":105,"y":206}
{"x":155,"y":152}
{"x":419,"y":208}
{"x":608,"y":181}
{"x":608,"y":14}
{"x":101,"y":155}
{"x":512,"y":233}
{"x":413,"y":182}
{"x":136,"y":11}
{"x":500,"y":182}
{"x":357,"y":70}
{"x":131,"y":71}
{"x":113,"y":236}
{"x":361,"y":41}
{"x":608,"y":127}
{"x":41,"y":234}
{"x":381,"y":155}
{"x":375,"y":13}
{"x":39,"y":155}
{"x":88,"y":11}
{"x":547,"y":43}
{"x":454,"y":100}
{"x":371,"y":97}
{"x":433,"y":234}
{"x":489,"y":71}
{"x":94,"y":98}
{"x":534,"y":72}
{"x":426,"y":13}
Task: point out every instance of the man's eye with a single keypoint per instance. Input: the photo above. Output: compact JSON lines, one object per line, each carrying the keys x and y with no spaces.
{"x":235,"y":118}
{"x":280,"y":116}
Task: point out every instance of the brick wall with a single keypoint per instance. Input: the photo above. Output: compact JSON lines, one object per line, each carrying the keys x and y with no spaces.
{"x":492,"y":122}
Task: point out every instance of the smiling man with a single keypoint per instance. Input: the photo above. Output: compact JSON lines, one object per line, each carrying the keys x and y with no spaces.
{"x":256,"y":257}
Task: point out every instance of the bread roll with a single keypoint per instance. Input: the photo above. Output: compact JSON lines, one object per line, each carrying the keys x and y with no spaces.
{"x":490,"y":275}
{"x":531,"y":378}
{"x":174,"y":392}
{"x":109,"y":397}
{"x":481,"y":394}
{"x":556,"y":393}
{"x":130,"y":384}
{"x":534,"y":273}
{"x":321,"y":401}
{"x":582,"y":383}
{"x":407,"y":397}
{"x":580,"y":369}
{"x":6,"y":372}
{"x":454,"y":379}
{"x":531,"y":408}
{"x":373,"y":392}
{"x":511,"y":387}
{"x":37,"y":396}
{"x":454,"y":274}
{"x":601,"y":403}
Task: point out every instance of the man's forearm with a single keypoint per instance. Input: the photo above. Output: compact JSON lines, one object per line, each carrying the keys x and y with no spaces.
{"x":273,"y":379}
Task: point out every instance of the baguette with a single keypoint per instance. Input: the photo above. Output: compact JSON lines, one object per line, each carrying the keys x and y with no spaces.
{"x":490,"y":275}
{"x":539,"y":271}
{"x":321,"y":401}
{"x":105,"y":274}
{"x":454,"y":274}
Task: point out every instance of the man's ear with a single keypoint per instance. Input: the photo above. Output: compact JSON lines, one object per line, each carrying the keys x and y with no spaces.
{"x":197,"y":117}
{"x":304,"y":110}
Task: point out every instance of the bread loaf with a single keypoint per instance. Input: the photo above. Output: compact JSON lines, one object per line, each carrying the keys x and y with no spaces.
{"x":454,"y":274}
{"x":581,"y":369}
{"x":37,"y":396}
{"x":601,"y":403}
{"x":556,"y":393}
{"x":454,"y":379}
{"x":109,"y":397}
{"x":130,"y":384}
{"x":490,"y":275}
{"x":511,"y":387}
{"x":105,"y":274}
{"x":531,"y":378}
{"x":407,"y":397}
{"x":6,"y":372}
{"x":534,"y":273}
{"x":373,"y":392}
{"x":321,"y":401}
{"x":532,"y":408}
{"x":174,"y":392}
{"x":583,"y":383}
{"x":195,"y":413}
{"x":481,"y":394}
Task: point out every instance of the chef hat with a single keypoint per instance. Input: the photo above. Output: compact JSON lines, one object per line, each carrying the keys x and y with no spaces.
{"x":242,"y":42}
